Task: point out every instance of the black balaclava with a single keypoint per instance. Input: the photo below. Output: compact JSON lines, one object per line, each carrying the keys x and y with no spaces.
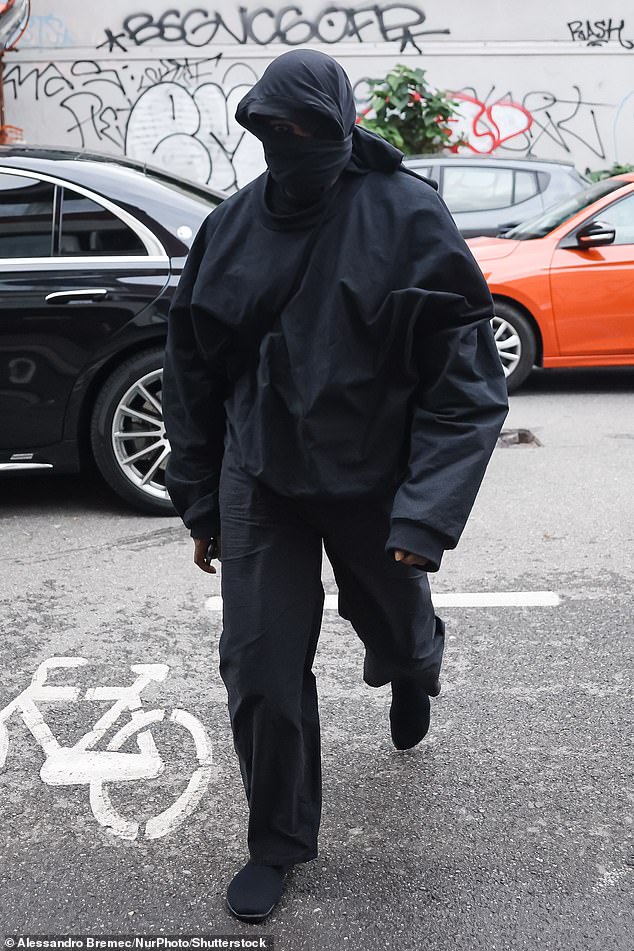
{"x":311,"y":89}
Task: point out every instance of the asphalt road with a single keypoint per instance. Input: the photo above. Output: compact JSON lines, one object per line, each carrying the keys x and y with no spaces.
{"x":511,"y":826}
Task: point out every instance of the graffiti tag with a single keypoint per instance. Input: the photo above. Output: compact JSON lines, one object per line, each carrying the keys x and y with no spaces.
{"x":599,"y":32}
{"x":504,"y":122}
{"x":177,"y":113}
{"x":403,"y":23}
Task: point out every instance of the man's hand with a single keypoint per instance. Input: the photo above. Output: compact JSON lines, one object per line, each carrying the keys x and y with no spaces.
{"x":200,"y":550}
{"x":407,"y":558}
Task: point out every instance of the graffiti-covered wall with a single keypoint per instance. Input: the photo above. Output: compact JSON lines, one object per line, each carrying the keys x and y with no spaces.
{"x":160,"y":82}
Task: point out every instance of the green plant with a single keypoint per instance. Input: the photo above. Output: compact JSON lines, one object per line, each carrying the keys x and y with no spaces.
{"x":616,"y":169}
{"x":409,"y":113}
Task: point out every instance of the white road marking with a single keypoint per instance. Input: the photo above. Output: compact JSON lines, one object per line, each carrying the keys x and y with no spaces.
{"x":107,"y":816}
{"x":498,"y":599}
{"x":82,"y":764}
{"x":459,"y":599}
{"x":172,"y":817}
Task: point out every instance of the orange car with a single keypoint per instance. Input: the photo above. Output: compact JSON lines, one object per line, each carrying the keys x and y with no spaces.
{"x":563,"y":283}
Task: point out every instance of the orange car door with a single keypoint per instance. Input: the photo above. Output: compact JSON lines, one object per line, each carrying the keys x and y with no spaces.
{"x":593,"y":290}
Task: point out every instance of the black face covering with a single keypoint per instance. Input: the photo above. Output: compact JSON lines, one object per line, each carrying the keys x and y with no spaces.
{"x":311,"y":89}
{"x":305,"y":167}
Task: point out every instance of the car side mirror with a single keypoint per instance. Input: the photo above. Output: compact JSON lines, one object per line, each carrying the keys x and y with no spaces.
{"x":596,"y":234}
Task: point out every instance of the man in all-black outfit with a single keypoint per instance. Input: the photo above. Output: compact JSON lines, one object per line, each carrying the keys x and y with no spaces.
{"x":330,"y":377}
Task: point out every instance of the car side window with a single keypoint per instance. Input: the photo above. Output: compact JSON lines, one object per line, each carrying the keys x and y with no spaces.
{"x":89,"y":230}
{"x":569,"y":185}
{"x":476,"y":188}
{"x":620,"y":216}
{"x":26,"y":217}
{"x":525,"y":186}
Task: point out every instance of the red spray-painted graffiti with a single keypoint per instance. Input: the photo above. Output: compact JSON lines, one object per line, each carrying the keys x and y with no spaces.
{"x":482,"y":127}
{"x":487,"y":127}
{"x":542,"y":119}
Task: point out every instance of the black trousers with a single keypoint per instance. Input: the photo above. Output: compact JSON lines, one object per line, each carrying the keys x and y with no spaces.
{"x":272,"y":610}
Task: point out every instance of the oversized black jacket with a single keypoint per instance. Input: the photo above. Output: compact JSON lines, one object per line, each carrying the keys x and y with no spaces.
{"x":368,"y":370}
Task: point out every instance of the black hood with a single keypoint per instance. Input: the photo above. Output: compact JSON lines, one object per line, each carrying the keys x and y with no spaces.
{"x":311,"y":89}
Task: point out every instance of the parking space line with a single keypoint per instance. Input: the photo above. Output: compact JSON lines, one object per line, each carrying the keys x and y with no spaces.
{"x":459,"y":599}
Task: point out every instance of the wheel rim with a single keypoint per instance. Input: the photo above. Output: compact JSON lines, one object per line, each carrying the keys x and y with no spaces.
{"x":138,"y":436}
{"x":508,"y":343}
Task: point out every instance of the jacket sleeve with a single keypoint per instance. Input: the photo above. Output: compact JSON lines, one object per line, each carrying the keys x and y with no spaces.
{"x":193,"y":411}
{"x":459,"y":407}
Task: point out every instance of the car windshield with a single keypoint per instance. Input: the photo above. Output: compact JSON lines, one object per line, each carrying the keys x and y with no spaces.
{"x":543,"y":224}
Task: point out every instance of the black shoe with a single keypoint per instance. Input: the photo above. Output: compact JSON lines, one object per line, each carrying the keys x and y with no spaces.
{"x":255,"y":891}
{"x":434,"y":689}
{"x":409,"y":713}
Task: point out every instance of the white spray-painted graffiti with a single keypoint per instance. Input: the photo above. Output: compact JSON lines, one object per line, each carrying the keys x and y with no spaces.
{"x":193,"y":128}
{"x":178,"y":111}
{"x":179,"y":114}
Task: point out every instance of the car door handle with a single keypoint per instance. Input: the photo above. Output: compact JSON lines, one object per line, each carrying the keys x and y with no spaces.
{"x":86,"y":293}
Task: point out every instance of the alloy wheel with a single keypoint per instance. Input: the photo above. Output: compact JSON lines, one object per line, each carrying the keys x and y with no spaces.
{"x":139,"y":443}
{"x":508,"y":343}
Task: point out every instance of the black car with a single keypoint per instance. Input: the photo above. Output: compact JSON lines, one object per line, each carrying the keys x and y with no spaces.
{"x":91,"y":250}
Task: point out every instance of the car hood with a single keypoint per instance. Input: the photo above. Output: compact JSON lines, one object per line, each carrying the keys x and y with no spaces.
{"x":491,"y":249}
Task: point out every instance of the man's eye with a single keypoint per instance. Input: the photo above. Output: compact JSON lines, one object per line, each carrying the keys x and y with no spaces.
{"x":282,"y":129}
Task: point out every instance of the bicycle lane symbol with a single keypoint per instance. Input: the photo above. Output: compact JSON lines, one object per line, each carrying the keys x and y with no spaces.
{"x":82,"y":764}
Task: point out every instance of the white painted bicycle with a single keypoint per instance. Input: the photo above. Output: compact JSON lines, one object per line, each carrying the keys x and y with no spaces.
{"x":83,"y":764}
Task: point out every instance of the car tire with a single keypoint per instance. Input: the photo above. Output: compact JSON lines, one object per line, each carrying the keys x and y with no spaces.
{"x":128,"y":436}
{"x":516,"y":343}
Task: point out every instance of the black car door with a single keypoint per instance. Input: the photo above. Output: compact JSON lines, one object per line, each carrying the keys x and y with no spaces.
{"x":74,"y":270}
